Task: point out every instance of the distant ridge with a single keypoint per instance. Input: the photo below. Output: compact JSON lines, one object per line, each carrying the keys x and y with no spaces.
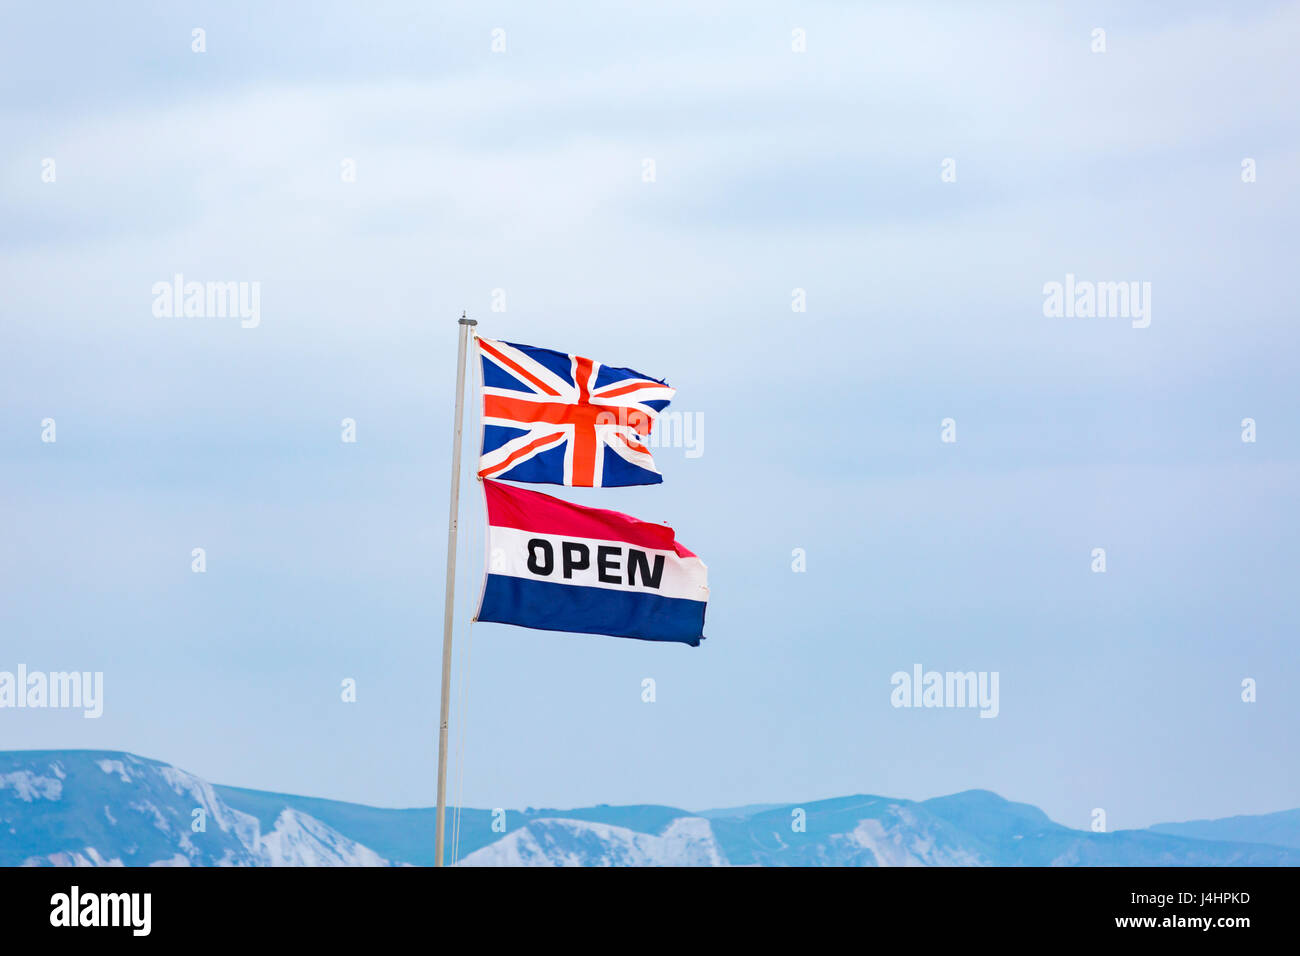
{"x":1277,"y":829}
{"x":84,"y":807}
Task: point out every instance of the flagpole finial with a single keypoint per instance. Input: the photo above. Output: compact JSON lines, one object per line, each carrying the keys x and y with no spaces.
{"x":466,"y":321}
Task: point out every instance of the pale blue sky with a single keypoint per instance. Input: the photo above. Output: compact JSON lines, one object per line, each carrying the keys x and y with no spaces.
{"x":522,"y":171}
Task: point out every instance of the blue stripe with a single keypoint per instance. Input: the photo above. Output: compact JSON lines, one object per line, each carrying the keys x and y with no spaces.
{"x":568,"y":607}
{"x":608,"y":375}
{"x":494,"y":376}
{"x":494,"y":436}
{"x":545,"y":467}
{"x":619,"y":472}
{"x":557,"y":362}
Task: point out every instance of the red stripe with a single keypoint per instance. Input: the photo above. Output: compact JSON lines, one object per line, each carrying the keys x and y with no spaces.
{"x":510,"y":507}
{"x":584,"y":432}
{"x":533,"y":411}
{"x":608,"y":392}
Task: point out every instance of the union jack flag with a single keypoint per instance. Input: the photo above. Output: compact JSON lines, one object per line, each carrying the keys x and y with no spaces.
{"x":563,"y":419}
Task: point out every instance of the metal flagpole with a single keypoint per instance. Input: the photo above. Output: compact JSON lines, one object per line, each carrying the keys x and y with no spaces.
{"x":449,"y":610}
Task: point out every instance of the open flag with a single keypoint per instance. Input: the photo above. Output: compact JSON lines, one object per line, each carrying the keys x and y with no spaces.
{"x":563,"y":419}
{"x":561,"y":567}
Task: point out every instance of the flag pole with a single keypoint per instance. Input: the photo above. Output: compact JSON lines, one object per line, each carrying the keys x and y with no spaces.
{"x":450,"y":606}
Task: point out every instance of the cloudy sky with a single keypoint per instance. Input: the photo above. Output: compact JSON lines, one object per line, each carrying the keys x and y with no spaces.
{"x":522,"y":171}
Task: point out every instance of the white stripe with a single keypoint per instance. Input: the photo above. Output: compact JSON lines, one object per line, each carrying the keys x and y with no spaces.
{"x":508,"y":553}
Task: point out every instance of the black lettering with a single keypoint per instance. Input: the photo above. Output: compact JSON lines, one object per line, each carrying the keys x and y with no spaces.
{"x":639,"y":559}
{"x":572,"y":554}
{"x":607,"y":560}
{"x":540,"y":544}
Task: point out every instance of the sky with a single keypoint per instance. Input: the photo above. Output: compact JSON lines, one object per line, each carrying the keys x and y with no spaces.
{"x":517,"y":177}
